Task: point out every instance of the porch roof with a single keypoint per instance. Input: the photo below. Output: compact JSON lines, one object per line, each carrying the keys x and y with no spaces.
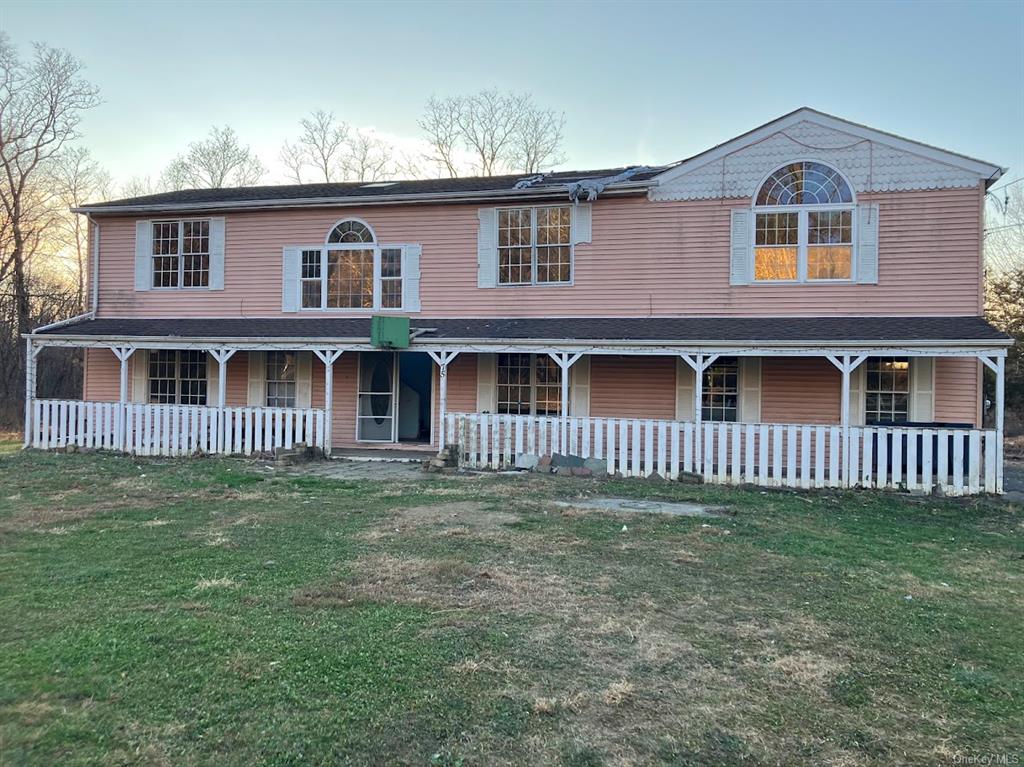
{"x":619,"y":331}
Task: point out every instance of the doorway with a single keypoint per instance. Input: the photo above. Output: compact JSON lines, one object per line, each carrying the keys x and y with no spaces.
{"x":395,"y":397}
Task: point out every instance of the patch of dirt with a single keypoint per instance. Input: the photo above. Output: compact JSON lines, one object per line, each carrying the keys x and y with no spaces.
{"x":463,"y":518}
{"x":808,"y":670}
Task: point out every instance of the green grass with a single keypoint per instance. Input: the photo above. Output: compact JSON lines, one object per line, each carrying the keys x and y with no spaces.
{"x":189,"y":612}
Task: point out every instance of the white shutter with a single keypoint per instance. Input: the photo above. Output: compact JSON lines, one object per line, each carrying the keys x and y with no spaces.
{"x":579,"y":384}
{"x":487,"y":248}
{"x":257,"y":396}
{"x":922,"y":389}
{"x":216,"y":254}
{"x":581,"y":222}
{"x":739,"y":247}
{"x":143,"y":255}
{"x":685,"y":383}
{"x":304,"y":379}
{"x":140,"y":376}
{"x":857,"y":386}
{"x":290,"y":278}
{"x":212,"y":378}
{"x":750,"y":390}
{"x":411,"y":277}
{"x":867,"y":243}
{"x":486,"y":383}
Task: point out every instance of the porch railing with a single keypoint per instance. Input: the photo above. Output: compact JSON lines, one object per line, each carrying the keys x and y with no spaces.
{"x":172,"y":429}
{"x":958,"y":461}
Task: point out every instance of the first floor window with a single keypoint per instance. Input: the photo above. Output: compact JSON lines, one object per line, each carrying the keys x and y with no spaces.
{"x":534,"y":245}
{"x":720,"y":393}
{"x":281,"y":379}
{"x":887,"y":393}
{"x":529,"y":384}
{"x":177,"y":377}
{"x":181,"y":254}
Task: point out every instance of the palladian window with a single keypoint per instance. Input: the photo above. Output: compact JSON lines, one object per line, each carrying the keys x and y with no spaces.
{"x":351,"y":271}
{"x":803,"y":225}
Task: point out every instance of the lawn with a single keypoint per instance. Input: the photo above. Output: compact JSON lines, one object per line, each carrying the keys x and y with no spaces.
{"x":188,"y":612}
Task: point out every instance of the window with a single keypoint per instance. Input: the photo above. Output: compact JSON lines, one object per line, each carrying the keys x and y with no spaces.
{"x":887,"y":393}
{"x":346,"y":272}
{"x":281,"y":379}
{"x":177,"y":377}
{"x":803,"y":225}
{"x":529,"y":384}
{"x":181,"y":254}
{"x":534,"y":245}
{"x":720,"y":392}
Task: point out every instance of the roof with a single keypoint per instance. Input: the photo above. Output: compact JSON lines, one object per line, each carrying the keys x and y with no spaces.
{"x":671,"y":330}
{"x":472,"y":187}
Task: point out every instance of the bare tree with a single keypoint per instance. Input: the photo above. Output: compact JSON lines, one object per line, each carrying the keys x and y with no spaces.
{"x":79,"y":179}
{"x":1004,"y":228}
{"x":368,"y":158}
{"x":501,"y":132}
{"x":217,"y":161}
{"x":321,"y":147}
{"x":137,"y":186}
{"x":41,"y":105}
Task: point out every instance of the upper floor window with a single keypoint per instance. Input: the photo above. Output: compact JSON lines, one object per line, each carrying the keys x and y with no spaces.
{"x":181,"y":254}
{"x":177,"y":377}
{"x":351,"y":231}
{"x":351,"y":271}
{"x":803,"y":225}
{"x":534,"y":245}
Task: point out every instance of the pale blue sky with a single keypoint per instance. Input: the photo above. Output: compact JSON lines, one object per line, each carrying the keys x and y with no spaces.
{"x":638,"y":82}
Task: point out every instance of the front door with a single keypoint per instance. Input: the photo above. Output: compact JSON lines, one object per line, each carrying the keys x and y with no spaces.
{"x":376,"y":408}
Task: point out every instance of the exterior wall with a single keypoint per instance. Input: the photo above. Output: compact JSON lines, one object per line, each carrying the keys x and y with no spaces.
{"x":645,"y":258}
{"x":633,"y":387}
{"x":958,"y":390}
{"x":800,"y":390}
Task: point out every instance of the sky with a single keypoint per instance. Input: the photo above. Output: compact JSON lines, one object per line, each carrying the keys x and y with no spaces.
{"x":639,"y":83}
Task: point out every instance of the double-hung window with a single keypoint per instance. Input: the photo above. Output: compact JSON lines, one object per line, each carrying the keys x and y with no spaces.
{"x":529,"y":384}
{"x":351,"y":271}
{"x":281,"y":379}
{"x":181,"y":254}
{"x":177,"y":377}
{"x":720,"y":390}
{"x":803,"y":225}
{"x":534,"y":245}
{"x":887,"y":390}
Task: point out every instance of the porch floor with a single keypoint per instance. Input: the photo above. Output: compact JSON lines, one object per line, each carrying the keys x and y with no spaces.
{"x":383,"y":454}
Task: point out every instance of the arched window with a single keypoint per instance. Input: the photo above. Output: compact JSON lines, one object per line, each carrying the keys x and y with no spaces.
{"x":351,"y":231}
{"x":803,"y":225}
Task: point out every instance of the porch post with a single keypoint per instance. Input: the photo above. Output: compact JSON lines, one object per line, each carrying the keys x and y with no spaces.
{"x":328,"y":357}
{"x":442,"y":359}
{"x":565,"y":361}
{"x":1000,"y":397}
{"x":123,"y":354}
{"x":846,"y":366}
{"x":222,"y":356}
{"x":699,"y":362}
{"x":31,"y":353}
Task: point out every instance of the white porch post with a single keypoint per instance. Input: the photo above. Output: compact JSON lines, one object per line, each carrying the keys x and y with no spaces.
{"x":846,"y":367}
{"x":31,"y":353}
{"x":699,"y":362}
{"x":442,"y":359}
{"x":565,"y":361}
{"x":123,"y":354}
{"x":328,"y":357}
{"x":1000,"y":397}
{"x":222,"y":356}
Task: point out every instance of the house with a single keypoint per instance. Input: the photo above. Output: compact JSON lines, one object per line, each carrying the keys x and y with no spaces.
{"x":800,"y":305}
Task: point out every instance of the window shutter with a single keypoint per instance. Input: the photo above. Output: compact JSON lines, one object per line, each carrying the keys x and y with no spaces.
{"x":212,"y":378}
{"x":216,"y":254}
{"x":487,"y":248}
{"x":867,"y":243}
{"x":579,"y":386}
{"x":290,"y":277}
{"x":411,"y":277}
{"x":685,"y":382}
{"x":857,"y":387}
{"x":304,"y":379}
{"x":143,"y":255}
{"x":581,"y":218}
{"x":486,"y":383}
{"x":140,"y":376}
{"x":257,"y":396}
{"x":739,"y":248}
{"x":750,"y":390}
{"x":922,"y":389}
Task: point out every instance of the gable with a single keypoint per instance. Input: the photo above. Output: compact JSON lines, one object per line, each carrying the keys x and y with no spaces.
{"x":872,"y":161}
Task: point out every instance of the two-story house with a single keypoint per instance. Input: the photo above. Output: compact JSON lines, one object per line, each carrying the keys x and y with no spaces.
{"x":783,"y":308}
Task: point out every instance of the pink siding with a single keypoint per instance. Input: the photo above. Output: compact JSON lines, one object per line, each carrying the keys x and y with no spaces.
{"x":800,"y":390}
{"x":646,"y":258}
{"x":102,"y":376}
{"x":633,"y":387}
{"x":958,"y":390}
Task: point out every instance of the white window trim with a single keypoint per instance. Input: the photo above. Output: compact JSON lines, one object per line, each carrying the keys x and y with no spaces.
{"x":181,"y":255}
{"x":327,"y":248}
{"x":534,"y":283}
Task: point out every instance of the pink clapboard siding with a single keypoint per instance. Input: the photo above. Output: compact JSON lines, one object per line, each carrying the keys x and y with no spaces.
{"x":645,"y":258}
{"x":633,"y":387}
{"x":800,"y":390}
{"x":958,"y":390}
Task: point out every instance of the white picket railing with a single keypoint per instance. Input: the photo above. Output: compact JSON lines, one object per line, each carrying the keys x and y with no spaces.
{"x":959,"y":461}
{"x":172,"y":429}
